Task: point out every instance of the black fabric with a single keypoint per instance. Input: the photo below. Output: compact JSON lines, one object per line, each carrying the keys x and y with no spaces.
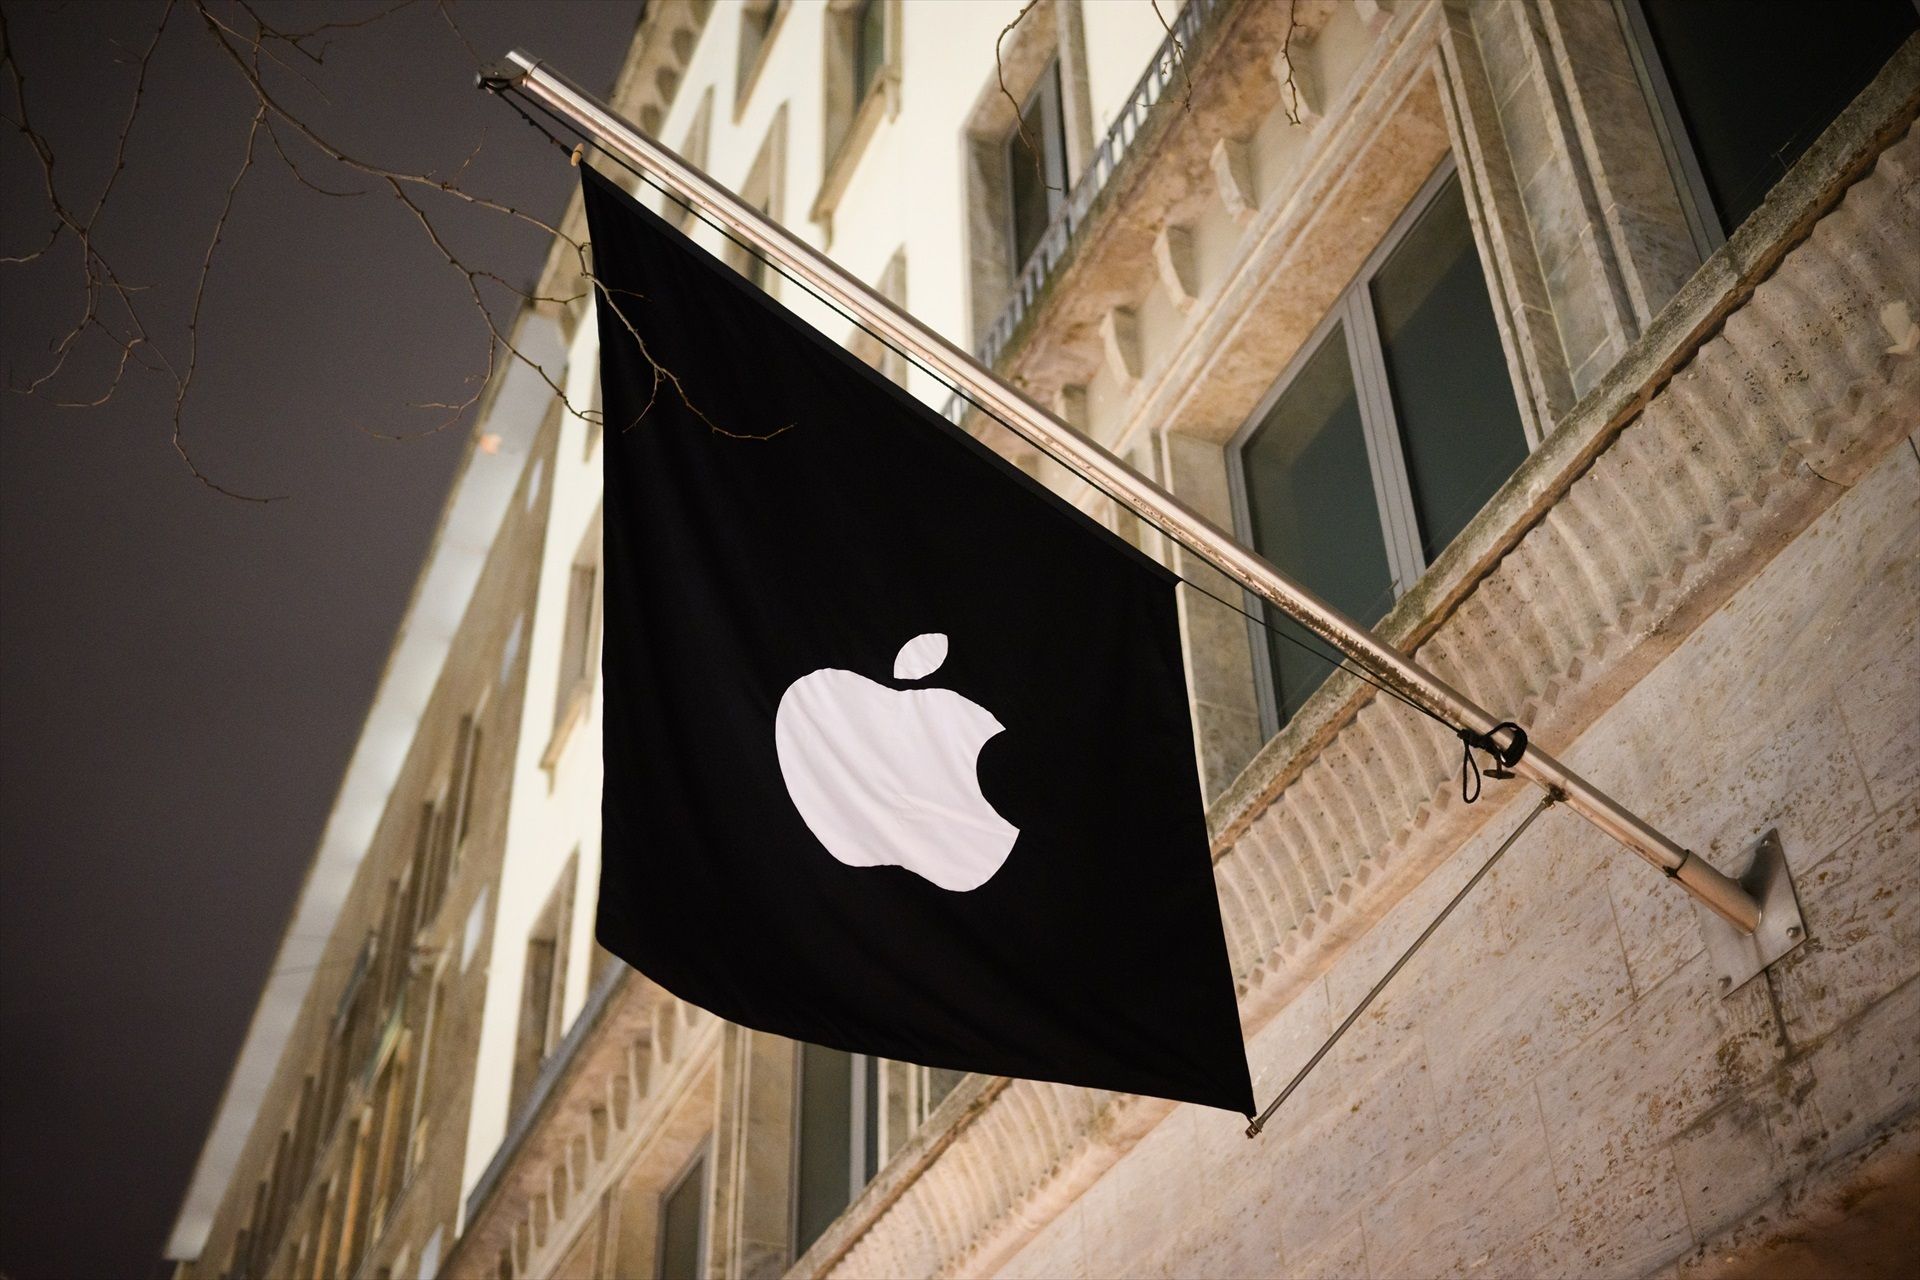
{"x":785,"y":509}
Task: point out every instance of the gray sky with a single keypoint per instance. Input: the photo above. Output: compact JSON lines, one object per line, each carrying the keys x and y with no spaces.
{"x":182,"y":675}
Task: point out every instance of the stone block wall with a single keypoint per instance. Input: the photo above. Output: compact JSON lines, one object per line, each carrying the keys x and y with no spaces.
{"x":1556,"y":1085}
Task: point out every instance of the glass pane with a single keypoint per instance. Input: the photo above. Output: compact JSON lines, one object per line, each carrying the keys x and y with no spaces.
{"x":825,"y":1171}
{"x":1452,"y":395}
{"x":1310,"y":496}
{"x":869,"y":47}
{"x":766,"y":16}
{"x":940,"y":1083}
{"x":1757,"y":80}
{"x":680,"y":1222}
{"x":871,"y":1129}
{"x":1029,"y":175}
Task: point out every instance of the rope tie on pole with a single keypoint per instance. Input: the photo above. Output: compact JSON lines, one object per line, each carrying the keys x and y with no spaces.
{"x":1504,"y":758}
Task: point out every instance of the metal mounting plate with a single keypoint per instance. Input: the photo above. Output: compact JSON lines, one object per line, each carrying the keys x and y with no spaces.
{"x":1737,"y":957}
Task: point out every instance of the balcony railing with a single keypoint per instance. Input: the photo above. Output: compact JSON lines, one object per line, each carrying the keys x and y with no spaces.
{"x":1162,"y":70}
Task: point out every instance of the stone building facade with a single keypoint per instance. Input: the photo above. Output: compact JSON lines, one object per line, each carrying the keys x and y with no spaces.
{"x":1593,"y":352}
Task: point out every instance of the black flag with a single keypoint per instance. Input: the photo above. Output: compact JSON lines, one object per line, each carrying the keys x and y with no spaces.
{"x":898,"y":756}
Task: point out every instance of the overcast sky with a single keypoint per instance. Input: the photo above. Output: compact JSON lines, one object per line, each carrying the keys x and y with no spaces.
{"x":182,"y":675}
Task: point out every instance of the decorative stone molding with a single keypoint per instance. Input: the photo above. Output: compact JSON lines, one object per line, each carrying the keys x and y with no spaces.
{"x":1233,"y":179}
{"x":1173,"y":256}
{"x":1302,"y":96}
{"x":1767,"y":386}
{"x":1070,"y":406}
{"x":1120,"y":339}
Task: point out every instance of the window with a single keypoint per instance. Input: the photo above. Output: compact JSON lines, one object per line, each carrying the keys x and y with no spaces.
{"x":1386,"y":436}
{"x":543,"y":988}
{"x":388,"y":1149}
{"x":416,"y":1127}
{"x":940,"y":1083}
{"x":892,"y":285}
{"x":427,"y":880}
{"x":579,"y":638}
{"x":860,"y":86}
{"x":869,"y":47}
{"x":759,"y":19}
{"x":683,"y":1223}
{"x":1743,"y":87}
{"x":762,"y":189}
{"x":576,"y":645}
{"x":1036,"y":156}
{"x":836,"y":1139}
{"x":466,"y":763}
{"x":694,"y":151}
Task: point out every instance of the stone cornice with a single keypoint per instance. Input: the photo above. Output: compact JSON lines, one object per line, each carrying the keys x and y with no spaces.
{"x":1772,"y":381}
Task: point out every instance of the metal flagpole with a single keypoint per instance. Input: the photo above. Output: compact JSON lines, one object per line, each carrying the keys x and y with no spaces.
{"x":525,"y":73}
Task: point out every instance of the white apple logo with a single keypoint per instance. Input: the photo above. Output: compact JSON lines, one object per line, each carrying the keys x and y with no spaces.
{"x":887,"y":777}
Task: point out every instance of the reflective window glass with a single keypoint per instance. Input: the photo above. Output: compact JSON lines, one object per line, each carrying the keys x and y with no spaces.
{"x":1310,"y":498}
{"x":1452,"y":398}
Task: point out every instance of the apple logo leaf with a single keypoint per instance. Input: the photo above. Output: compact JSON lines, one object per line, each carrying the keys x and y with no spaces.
{"x":920,"y":657}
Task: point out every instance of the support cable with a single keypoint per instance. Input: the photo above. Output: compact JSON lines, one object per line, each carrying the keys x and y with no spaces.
{"x":1547,"y":801}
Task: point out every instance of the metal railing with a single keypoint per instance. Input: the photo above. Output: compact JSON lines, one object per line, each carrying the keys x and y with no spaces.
{"x":1166,"y":65}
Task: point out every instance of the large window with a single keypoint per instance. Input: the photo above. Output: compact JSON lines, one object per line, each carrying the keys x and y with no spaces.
{"x":836,"y":1137}
{"x":1036,"y":156}
{"x":1384,"y":438}
{"x":1743,"y":87}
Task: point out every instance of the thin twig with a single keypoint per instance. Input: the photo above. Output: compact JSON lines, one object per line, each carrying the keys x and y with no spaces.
{"x":1019,"y":121}
{"x":1179,"y":60}
{"x":1289,"y":90}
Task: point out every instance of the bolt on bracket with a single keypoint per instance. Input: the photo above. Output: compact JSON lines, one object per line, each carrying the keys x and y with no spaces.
{"x":1737,"y":957}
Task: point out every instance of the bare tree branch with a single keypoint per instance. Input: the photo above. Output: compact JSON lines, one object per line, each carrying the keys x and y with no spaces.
{"x":1019,"y":121}
{"x":254,"y":48}
{"x":1179,"y":59}
{"x":1289,"y":91}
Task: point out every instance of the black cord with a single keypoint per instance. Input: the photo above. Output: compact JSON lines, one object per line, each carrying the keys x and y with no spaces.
{"x":1504,"y":758}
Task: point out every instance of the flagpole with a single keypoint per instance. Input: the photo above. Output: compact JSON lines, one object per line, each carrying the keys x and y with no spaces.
{"x":526,"y":74}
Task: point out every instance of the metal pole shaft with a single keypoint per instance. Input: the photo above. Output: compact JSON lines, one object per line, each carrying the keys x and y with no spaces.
{"x":1094,"y":464}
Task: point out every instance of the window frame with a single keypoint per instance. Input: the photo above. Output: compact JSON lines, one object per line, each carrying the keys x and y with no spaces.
{"x":859,"y":1066}
{"x":861,"y":10}
{"x":852,"y":114}
{"x":696,"y":1162}
{"x":1352,"y":312}
{"x":1683,"y":162}
{"x":1050,"y":91}
{"x":1705,"y":219}
{"x":767,"y":17}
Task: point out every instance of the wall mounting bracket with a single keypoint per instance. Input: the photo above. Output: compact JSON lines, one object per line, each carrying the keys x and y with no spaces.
{"x":1737,"y":957}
